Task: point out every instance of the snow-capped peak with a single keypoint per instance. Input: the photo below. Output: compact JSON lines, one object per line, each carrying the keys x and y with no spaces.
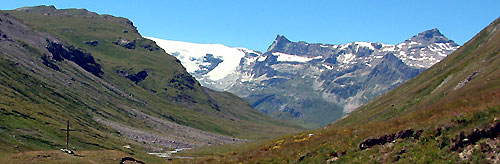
{"x":216,"y":60}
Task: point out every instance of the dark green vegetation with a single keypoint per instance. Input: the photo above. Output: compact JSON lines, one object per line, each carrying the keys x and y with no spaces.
{"x":111,"y":84}
{"x":450,"y":113}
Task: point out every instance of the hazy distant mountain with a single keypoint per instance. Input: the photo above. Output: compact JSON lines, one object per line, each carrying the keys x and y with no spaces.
{"x":313,"y":82}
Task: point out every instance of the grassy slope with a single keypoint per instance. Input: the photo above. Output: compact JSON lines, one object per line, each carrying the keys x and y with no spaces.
{"x":32,"y":115}
{"x":418,"y":104}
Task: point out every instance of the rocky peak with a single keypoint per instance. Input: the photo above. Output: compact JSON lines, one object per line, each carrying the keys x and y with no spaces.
{"x":391,"y":57}
{"x":278,"y":43}
{"x":431,"y":33}
{"x":281,"y":38}
{"x":431,"y":36}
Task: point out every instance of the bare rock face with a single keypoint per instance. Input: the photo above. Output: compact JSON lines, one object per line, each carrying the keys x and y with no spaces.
{"x":84,"y":60}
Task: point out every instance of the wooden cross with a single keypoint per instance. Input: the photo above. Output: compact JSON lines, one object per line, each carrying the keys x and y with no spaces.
{"x":67,"y":134}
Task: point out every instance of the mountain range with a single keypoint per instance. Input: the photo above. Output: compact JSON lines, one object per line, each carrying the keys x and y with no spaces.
{"x":448,"y":113}
{"x":310,"y":83}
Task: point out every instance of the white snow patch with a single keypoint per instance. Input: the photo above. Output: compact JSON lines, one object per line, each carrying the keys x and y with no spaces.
{"x":346,"y":58}
{"x":291,"y":58}
{"x":441,"y":54}
{"x":442,"y":46}
{"x":249,"y":61}
{"x":365,"y":44}
{"x":192,"y":55}
{"x":262,"y":58}
{"x":414,"y":43}
{"x":344,"y":46}
{"x":386,"y":48}
{"x":400,"y":45}
{"x":445,"y":46}
{"x":327,"y":66}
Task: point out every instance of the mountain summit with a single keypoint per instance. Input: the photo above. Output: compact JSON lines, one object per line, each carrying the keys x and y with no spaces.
{"x":432,"y":36}
{"x":279,"y":43}
{"x":312,"y":83}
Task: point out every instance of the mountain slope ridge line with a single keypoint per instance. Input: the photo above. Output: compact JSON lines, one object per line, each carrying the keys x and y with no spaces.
{"x":40,"y":91}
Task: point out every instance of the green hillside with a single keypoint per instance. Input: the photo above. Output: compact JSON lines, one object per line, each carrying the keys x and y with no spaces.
{"x":112,"y":84}
{"x":448,"y":114}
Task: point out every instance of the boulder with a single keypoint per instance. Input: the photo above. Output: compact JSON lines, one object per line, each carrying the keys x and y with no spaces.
{"x":92,"y":43}
{"x":125,"y":43}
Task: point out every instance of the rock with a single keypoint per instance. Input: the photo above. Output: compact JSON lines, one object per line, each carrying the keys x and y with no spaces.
{"x":301,"y":158}
{"x":459,"y":142}
{"x":125,"y":159}
{"x":182,"y":81}
{"x":2,"y":34}
{"x":43,"y":156}
{"x":211,"y":61}
{"x":49,"y":63}
{"x":332,"y":160}
{"x":147,"y":44}
{"x":67,"y":151}
{"x":418,"y":134}
{"x":92,"y":43}
{"x":370,"y":142}
{"x":334,"y":154}
{"x":125,"y":43}
{"x":465,"y":81}
{"x":466,"y":153}
{"x":140,"y":76}
{"x":404,"y":134}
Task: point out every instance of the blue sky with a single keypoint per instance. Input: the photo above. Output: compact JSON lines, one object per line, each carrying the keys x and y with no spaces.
{"x":255,"y":23}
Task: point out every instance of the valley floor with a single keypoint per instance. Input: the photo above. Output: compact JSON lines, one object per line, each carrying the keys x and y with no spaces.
{"x":57,"y":156}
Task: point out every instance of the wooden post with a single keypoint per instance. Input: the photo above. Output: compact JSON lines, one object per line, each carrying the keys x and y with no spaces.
{"x":67,"y":134}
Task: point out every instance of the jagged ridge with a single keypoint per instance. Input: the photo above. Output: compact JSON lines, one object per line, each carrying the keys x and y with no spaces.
{"x":316,"y":83}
